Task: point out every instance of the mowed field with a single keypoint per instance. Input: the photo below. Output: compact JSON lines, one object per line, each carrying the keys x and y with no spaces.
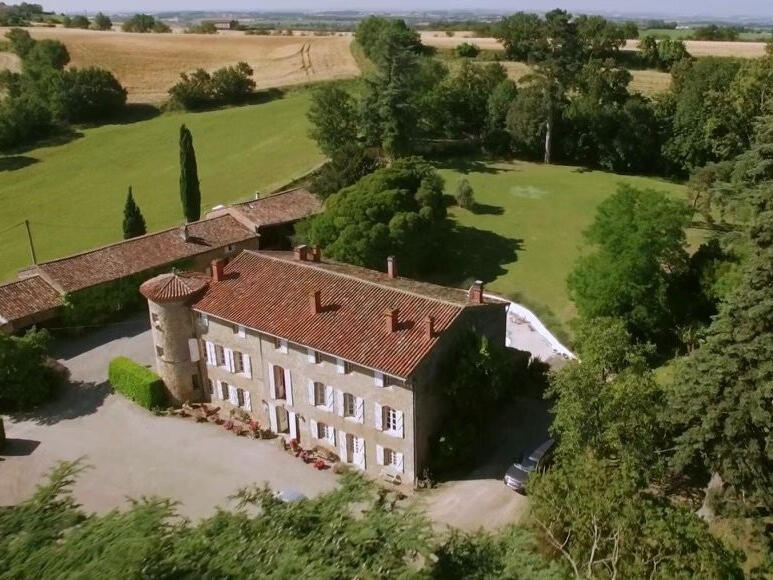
{"x":526,"y":235}
{"x":694,"y":47}
{"x":149,"y":64}
{"x":73,"y":194}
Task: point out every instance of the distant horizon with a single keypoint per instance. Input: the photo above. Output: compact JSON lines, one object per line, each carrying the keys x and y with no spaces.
{"x":687,"y":9}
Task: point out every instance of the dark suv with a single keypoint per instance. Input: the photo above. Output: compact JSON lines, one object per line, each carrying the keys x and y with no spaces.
{"x":518,"y":474}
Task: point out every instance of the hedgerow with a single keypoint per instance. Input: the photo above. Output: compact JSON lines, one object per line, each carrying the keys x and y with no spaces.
{"x":137,"y":383}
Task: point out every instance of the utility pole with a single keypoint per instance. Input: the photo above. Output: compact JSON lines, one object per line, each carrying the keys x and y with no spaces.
{"x":32,"y":246}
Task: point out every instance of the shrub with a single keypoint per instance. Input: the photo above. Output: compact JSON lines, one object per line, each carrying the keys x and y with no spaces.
{"x":467,"y":50}
{"x":464,"y":195}
{"x":102,"y":22}
{"x":144,"y":23}
{"x":228,"y":85}
{"x":23,"y":119}
{"x":232,"y":84}
{"x":205,"y":27}
{"x":137,"y":383}
{"x":78,"y":21}
{"x":89,"y":95}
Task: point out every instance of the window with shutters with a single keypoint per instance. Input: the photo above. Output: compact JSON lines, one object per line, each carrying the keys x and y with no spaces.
{"x":390,"y":419}
{"x":350,"y":405}
{"x":343,"y":366}
{"x":322,"y":430}
{"x":210,"y":387}
{"x":389,"y":456}
{"x":220,"y":355}
{"x":224,"y":391}
{"x":239,"y":330}
{"x":281,"y":345}
{"x":240,"y":397}
{"x":319,"y":395}
{"x":313,"y":356}
{"x":195,"y":382}
{"x":279,"y":382}
{"x":238,"y":362}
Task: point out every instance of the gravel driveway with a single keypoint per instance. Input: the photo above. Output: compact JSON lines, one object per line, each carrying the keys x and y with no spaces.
{"x":132,"y":452}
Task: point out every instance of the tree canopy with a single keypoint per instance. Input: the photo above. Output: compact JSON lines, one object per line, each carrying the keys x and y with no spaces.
{"x":25,"y":378}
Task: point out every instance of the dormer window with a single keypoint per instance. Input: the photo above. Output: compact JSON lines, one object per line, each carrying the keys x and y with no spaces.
{"x":343,"y":366}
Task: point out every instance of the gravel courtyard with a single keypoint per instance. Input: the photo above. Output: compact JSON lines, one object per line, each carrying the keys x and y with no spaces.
{"x":132,"y":452}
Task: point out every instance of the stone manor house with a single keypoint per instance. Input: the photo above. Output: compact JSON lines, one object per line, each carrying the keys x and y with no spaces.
{"x":326,"y":353}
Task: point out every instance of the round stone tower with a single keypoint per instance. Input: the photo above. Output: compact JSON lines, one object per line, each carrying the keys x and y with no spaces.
{"x":174,"y":337}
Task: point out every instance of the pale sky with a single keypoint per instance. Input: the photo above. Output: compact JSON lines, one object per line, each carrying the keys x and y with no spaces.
{"x":716,"y":8}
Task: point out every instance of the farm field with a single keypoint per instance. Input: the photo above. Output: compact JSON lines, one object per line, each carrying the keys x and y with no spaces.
{"x":149,"y":64}
{"x":526,"y":235}
{"x":694,"y":47}
{"x":73,"y":194}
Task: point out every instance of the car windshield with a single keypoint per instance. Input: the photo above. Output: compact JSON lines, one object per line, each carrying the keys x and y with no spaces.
{"x":528,"y":464}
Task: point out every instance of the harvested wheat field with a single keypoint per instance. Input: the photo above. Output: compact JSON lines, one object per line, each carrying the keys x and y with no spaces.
{"x":440,"y":39}
{"x":148,"y":64}
{"x":9,"y":61}
{"x":650,"y":82}
{"x":717,"y":48}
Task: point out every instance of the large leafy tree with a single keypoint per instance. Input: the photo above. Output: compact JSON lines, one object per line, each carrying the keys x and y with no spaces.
{"x":133,"y":222}
{"x":25,"y":378}
{"x":639,"y":239}
{"x":609,"y":402}
{"x":396,"y":210}
{"x":604,"y":523}
{"x":190,"y":194}
{"x":722,"y":398}
{"x":334,"y":118}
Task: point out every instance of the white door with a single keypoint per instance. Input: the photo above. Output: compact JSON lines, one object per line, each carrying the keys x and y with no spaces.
{"x":293,"y":426}
{"x":359,"y":452}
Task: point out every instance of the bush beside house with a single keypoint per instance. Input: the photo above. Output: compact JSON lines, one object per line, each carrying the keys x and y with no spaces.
{"x":137,"y":383}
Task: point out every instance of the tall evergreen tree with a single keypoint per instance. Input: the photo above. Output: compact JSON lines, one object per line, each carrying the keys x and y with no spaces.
{"x":133,"y":222}
{"x":190,"y":194}
{"x":722,"y":400}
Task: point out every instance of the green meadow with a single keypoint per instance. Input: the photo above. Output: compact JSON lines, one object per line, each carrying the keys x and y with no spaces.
{"x":526,"y":233}
{"x":73,"y":193}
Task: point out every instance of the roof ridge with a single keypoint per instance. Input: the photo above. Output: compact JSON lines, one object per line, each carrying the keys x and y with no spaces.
{"x":135,"y":239}
{"x":269,"y":196}
{"x":22,"y":280}
{"x":311,"y":265}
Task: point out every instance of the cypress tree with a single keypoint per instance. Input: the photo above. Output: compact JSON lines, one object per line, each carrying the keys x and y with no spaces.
{"x":190,"y":195}
{"x":133,"y":222}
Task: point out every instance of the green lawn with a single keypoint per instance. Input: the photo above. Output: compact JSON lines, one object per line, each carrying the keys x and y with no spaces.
{"x":527,"y":233}
{"x":73,"y":194}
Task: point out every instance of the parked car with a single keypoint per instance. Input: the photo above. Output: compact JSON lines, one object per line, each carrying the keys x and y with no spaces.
{"x":519,"y":473}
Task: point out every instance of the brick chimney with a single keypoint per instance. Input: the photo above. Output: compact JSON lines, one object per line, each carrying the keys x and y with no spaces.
{"x":316,"y":253}
{"x":217,"y":270}
{"x":429,"y":327}
{"x":475,"y":295}
{"x":391,"y":316}
{"x":301,"y":253}
{"x":315,"y":302}
{"x":391,"y":266}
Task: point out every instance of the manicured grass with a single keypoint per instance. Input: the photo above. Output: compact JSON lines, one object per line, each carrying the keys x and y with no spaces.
{"x":526,"y":234}
{"x":73,"y":194}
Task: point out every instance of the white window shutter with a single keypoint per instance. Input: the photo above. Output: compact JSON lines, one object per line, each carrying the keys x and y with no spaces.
{"x":340,"y":402}
{"x":288,"y":384}
{"x":379,"y":455}
{"x":378,"y":378}
{"x":311,"y":393}
{"x":229,"y":359}
{"x":210,"y":348}
{"x":233,"y":397}
{"x":359,"y":456}
{"x":331,"y":435}
{"x":311,"y":355}
{"x":247,"y":366}
{"x":219,"y":389}
{"x":359,"y":409}
{"x":329,"y":398}
{"x":247,"y":402}
{"x":341,"y":366}
{"x":342,"y":446}
{"x":193,"y":347}
{"x":288,"y":388}
{"x":271,"y":381}
{"x":313,"y":429}
{"x":293,"y":426}
{"x":399,"y":429}
{"x":399,"y":462}
{"x":378,"y":417}
{"x":272,"y":417}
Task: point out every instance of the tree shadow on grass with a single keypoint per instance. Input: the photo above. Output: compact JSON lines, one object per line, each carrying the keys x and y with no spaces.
{"x":473,"y":254}
{"x":486,"y":209}
{"x":466,"y":165}
{"x":135,"y":113}
{"x":59,"y":138}
{"x":14,"y":162}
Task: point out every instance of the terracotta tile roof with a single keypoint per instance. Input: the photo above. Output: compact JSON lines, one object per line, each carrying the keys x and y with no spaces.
{"x":138,"y":254}
{"x":271,"y":292}
{"x":27,"y":297}
{"x":174,"y":286}
{"x":280,"y":208}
